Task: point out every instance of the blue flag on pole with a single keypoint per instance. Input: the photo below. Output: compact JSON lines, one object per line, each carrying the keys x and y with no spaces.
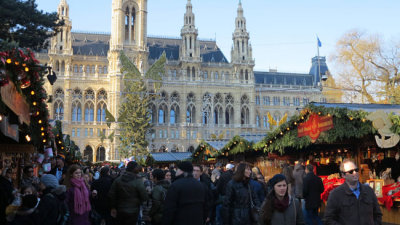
{"x":319,"y":42}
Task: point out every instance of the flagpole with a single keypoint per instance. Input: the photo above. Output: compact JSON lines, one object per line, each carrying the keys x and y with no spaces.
{"x":319,"y":64}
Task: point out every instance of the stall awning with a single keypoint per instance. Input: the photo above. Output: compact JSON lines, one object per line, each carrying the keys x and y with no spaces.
{"x":217,"y":145}
{"x":365,"y":107}
{"x":171,"y":156}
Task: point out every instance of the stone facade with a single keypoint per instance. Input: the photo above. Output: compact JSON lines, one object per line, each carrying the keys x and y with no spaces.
{"x":203,"y":96}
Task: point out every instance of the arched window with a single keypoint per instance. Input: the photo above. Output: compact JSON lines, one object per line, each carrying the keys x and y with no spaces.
{"x":127,"y":28}
{"x":58,"y":110}
{"x":206,"y":108}
{"x":105,"y":70}
{"x":101,"y":154}
{"x":101,"y":111}
{"x":100,"y":69}
{"x":59,"y":94}
{"x":89,"y":111}
{"x":241,"y":75}
{"x":89,"y":95}
{"x":153,"y":113}
{"x":191,"y":109}
{"x":93,"y":69}
{"x":188,"y":73}
{"x":229,"y":115}
{"x":162,"y":114}
{"x":258,"y":121}
{"x":77,"y":94}
{"x":75,"y":68}
{"x":244,"y":115}
{"x":102,"y":95}
{"x":174,"y":114}
{"x":191,"y":113}
{"x":175,"y":97}
{"x":218,"y":114}
{"x":57,"y":66}
{"x":216,"y":76}
{"x":87,"y":69}
{"x":76,"y":111}
{"x":246,"y":76}
{"x":80,"y":68}
{"x":62,"y":67}
{"x":133,"y":17}
{"x":193,"y":73}
{"x":88,"y":154}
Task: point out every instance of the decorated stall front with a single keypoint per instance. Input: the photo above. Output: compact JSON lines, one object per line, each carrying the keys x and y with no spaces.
{"x":236,"y":149}
{"x":326,"y":134}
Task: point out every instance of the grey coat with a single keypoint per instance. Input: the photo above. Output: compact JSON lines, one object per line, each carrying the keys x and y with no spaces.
{"x":293,"y":215}
{"x":298,"y":175}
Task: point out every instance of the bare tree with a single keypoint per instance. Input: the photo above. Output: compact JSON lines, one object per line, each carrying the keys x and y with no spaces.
{"x":369,"y":67}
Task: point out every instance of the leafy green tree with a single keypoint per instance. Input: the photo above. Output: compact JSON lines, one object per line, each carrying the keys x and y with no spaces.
{"x":134,"y":113}
{"x":22,"y":22}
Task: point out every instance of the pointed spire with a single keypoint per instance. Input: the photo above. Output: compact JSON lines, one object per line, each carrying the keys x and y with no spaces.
{"x":240,"y":9}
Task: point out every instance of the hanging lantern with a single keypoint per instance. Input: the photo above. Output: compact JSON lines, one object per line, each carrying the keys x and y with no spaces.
{"x":16,"y":63}
{"x":8,"y":61}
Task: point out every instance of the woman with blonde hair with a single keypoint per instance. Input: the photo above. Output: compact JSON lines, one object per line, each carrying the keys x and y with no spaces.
{"x":77,"y":197}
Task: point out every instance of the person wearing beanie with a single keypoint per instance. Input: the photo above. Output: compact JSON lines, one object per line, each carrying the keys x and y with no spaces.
{"x":185,"y":202}
{"x":279,"y":207}
{"x":53,"y":195}
{"x":126,"y":195}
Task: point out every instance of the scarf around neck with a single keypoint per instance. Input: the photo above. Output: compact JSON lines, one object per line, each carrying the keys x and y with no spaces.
{"x":281,"y":205}
{"x":81,"y":196}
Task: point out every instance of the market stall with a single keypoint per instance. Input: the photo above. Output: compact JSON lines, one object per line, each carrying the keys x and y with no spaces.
{"x":326,"y":134}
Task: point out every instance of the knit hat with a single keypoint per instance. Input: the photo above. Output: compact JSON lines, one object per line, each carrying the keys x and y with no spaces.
{"x":229,"y":166}
{"x":131,"y":166}
{"x":276,"y":179}
{"x":49,"y":180}
{"x":185,"y":166}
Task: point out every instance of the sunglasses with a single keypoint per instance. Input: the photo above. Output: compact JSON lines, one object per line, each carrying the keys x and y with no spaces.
{"x":352,"y":171}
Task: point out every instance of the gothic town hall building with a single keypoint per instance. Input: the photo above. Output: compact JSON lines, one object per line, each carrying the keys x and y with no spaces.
{"x":203,"y":95}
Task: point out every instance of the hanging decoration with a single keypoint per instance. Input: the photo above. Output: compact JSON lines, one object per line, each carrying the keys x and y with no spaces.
{"x":22,"y":69}
{"x":381,"y":122}
{"x":347,"y":124}
{"x":314,"y":126}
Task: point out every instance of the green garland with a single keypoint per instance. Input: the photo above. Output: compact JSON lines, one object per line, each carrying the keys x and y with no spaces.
{"x":347,"y":124}
{"x":20,"y":67}
{"x":237,"y":145}
{"x":204,"y":151}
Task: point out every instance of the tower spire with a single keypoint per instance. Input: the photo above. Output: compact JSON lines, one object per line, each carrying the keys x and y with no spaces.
{"x":190,"y":49}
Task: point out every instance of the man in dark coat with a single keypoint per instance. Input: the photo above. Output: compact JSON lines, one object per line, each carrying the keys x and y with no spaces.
{"x":53,"y":196}
{"x":126,"y":195}
{"x":100,"y":189}
{"x":312,"y":190}
{"x":221,"y":189}
{"x":352,"y":203}
{"x":158,"y":195}
{"x":186,"y":199}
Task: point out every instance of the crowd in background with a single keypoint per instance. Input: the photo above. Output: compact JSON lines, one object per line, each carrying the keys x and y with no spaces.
{"x":231,"y":194}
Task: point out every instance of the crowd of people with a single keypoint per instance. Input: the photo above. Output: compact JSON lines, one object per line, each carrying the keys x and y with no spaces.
{"x":231,"y":194}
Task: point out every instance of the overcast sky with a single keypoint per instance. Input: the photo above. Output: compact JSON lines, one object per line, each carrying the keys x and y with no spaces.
{"x":282,"y":32}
